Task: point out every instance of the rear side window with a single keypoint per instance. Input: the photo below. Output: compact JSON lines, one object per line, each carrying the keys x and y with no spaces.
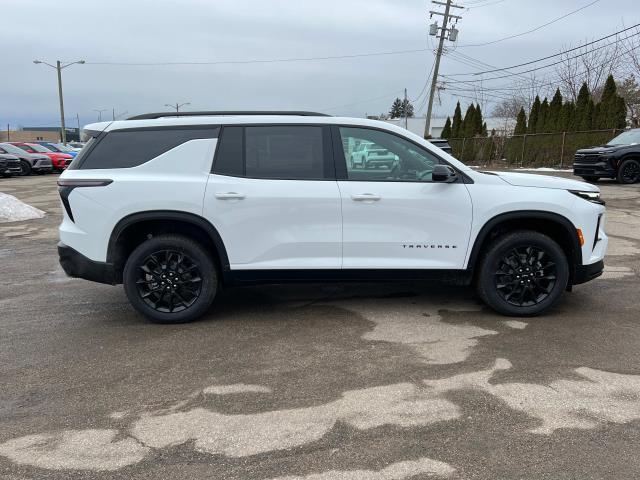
{"x":285,"y":152}
{"x":130,"y":148}
{"x":229,"y":155}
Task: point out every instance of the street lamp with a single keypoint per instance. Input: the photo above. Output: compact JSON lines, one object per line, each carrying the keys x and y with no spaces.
{"x":59,"y":66}
{"x":177,"y":106}
{"x":100,"y":112}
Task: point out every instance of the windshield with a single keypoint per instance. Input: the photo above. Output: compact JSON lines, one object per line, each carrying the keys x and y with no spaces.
{"x":54,"y":148}
{"x":11,"y":148}
{"x":39,"y":148}
{"x":626,"y":138}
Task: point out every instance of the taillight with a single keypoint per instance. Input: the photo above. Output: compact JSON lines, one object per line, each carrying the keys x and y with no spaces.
{"x":65,"y":187}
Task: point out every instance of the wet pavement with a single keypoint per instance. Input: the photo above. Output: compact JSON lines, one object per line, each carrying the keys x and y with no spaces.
{"x":315,"y":382}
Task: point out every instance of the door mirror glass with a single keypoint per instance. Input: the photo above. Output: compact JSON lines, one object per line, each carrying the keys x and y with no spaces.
{"x":444,"y":174}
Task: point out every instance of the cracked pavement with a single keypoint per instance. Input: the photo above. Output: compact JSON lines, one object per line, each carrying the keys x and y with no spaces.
{"x":315,"y":382}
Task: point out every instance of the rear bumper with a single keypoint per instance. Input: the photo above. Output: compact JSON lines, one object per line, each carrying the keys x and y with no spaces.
{"x":78,"y":266}
{"x":585,"y":273}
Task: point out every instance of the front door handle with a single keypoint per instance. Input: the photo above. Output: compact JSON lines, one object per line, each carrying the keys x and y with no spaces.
{"x":365,"y":197}
{"x":229,"y":196}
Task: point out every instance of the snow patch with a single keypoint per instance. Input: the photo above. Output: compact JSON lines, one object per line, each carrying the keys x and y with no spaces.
{"x":13,"y":210}
{"x":545,"y":169}
{"x":235,"y":388}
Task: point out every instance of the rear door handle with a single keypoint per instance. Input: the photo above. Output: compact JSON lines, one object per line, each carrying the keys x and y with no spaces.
{"x":229,"y":196}
{"x":365,"y":197}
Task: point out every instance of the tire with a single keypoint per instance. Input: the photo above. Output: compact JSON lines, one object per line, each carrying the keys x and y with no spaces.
{"x":184,"y":260}
{"x":26,"y":167}
{"x":591,"y":179}
{"x":628,"y":172}
{"x":497,"y":280}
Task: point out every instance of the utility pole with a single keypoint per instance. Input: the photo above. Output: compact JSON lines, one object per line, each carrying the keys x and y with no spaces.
{"x":453,"y":34}
{"x":59,"y":66}
{"x":8,"y":139}
{"x":78,"y":120}
{"x":406,"y":110}
{"x":177,"y":106}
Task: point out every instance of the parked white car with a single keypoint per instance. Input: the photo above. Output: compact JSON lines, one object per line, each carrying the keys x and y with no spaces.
{"x":174,"y":207}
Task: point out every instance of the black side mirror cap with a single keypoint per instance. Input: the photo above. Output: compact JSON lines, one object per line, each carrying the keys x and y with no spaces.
{"x":444,"y":174}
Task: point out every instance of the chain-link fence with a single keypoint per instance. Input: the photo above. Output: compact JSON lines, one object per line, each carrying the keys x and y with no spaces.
{"x":528,"y":150}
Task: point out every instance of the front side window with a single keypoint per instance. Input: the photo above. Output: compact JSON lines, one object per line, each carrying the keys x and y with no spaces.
{"x":285,"y":152}
{"x":374,"y":155}
{"x":27,"y":148}
{"x":39,"y":148}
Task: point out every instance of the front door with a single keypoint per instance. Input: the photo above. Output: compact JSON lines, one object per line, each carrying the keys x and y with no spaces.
{"x":274,"y":199}
{"x":394,"y":216}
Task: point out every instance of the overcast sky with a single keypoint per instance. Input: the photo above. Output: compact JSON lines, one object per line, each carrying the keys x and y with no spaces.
{"x":142,"y":31}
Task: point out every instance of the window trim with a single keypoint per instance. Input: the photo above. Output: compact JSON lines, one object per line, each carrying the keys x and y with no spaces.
{"x":341,"y":161}
{"x":327,"y":151}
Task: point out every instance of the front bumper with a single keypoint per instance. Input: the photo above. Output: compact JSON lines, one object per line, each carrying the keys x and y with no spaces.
{"x":78,"y":266}
{"x":601,"y":168}
{"x":585,"y":273}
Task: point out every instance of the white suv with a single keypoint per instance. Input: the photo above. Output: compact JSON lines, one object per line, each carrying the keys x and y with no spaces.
{"x":176,"y":206}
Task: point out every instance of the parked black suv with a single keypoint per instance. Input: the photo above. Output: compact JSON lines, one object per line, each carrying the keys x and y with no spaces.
{"x":619,"y":159}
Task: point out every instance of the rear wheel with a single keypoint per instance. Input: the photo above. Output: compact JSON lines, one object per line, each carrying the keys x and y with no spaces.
{"x":522,"y":274}
{"x":629,"y":172}
{"x":25,"y":167}
{"x":170,"y":279}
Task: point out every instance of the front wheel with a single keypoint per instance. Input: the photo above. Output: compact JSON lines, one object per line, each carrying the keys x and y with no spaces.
{"x":25,"y":168}
{"x":629,"y":172}
{"x":522,"y":273}
{"x":170,"y":279}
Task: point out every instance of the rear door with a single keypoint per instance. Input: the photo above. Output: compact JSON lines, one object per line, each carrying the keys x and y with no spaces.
{"x":394,"y":216}
{"x":274,"y":199}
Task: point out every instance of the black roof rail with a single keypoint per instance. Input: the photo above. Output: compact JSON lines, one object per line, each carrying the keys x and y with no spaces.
{"x":149,"y":116}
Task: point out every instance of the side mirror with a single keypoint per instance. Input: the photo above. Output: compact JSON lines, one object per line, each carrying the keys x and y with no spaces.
{"x":444,"y":174}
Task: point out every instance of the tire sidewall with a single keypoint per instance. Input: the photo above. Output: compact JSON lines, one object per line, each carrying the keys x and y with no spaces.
{"x":178,"y":243}
{"x":497,"y":251}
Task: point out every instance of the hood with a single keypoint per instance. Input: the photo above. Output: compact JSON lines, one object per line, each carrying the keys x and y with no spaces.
{"x":603,"y":149}
{"x":35,"y":156}
{"x":545,"y":181}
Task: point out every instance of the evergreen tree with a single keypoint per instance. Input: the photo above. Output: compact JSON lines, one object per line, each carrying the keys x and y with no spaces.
{"x":521,"y":123}
{"x":553,"y":117}
{"x":446,"y":131}
{"x":542,"y":116}
{"x":609,"y":113}
{"x":469,"y":121}
{"x":584,"y":109}
{"x":619,"y":113}
{"x":407,"y":109}
{"x":396,"y":109}
{"x":484,"y":132}
{"x":477,"y":127}
{"x":566,"y":121}
{"x":533,"y":115}
{"x":456,"y":125}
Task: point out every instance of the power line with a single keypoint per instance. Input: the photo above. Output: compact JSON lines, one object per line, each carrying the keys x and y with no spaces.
{"x":543,"y":66}
{"x":363,"y":101}
{"x":533,"y":29}
{"x":273,"y":60}
{"x":547,"y":57}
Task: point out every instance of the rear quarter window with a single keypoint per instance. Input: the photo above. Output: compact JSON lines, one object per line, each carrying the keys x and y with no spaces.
{"x":130,"y":148}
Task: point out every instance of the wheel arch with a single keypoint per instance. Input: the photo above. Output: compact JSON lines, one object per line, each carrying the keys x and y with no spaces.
{"x":131,"y":230}
{"x":556,"y":226}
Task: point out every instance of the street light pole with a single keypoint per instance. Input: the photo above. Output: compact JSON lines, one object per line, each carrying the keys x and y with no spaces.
{"x":177,"y":106}
{"x":59,"y":66}
{"x":100,"y":112}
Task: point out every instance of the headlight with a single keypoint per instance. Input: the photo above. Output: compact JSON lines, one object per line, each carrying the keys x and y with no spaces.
{"x":593,"y":197}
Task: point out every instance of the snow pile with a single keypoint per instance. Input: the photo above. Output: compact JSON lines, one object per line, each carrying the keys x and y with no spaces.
{"x":13,"y":210}
{"x":545,"y":169}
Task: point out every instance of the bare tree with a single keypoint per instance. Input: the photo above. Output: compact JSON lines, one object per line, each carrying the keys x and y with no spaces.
{"x":591,"y":65}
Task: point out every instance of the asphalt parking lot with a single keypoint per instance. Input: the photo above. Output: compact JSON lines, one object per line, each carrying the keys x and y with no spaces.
{"x":384,"y":381}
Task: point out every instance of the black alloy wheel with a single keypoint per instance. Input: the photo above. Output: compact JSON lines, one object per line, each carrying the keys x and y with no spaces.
{"x":525,"y":276}
{"x":170,"y":278}
{"x":629,"y":172}
{"x":169,"y":281}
